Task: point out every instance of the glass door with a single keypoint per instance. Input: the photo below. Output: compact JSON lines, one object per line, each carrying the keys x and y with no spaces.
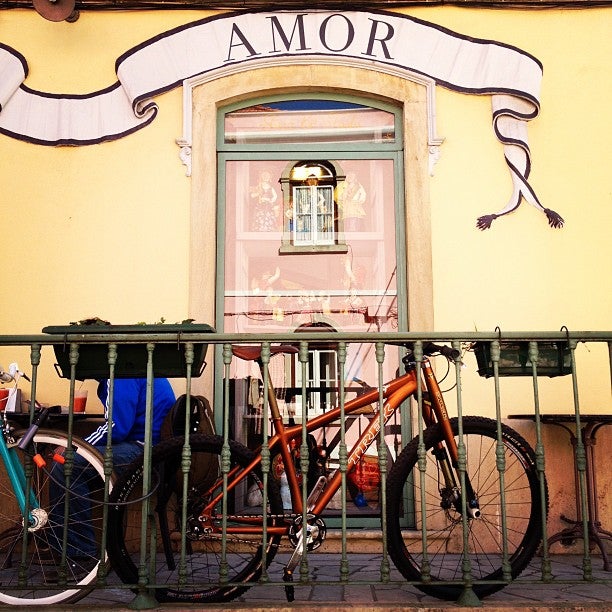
{"x":310,"y":235}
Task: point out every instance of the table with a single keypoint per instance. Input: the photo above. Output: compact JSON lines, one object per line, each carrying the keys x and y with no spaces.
{"x":54,"y":418}
{"x":84,"y":423}
{"x":589,"y":426}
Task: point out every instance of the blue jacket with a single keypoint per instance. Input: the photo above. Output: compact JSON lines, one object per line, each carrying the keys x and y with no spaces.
{"x":129,"y":404}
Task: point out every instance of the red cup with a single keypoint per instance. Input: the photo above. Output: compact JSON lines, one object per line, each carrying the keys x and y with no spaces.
{"x":4,"y":395}
{"x":80,"y":400}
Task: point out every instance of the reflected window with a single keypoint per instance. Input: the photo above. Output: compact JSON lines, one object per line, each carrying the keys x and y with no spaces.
{"x":323,"y":383}
{"x":311,"y":217}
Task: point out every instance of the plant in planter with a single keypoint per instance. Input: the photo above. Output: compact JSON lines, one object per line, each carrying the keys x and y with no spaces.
{"x":132,"y":353}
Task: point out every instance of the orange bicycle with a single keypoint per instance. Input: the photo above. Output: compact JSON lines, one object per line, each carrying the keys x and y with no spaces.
{"x":468,"y":486}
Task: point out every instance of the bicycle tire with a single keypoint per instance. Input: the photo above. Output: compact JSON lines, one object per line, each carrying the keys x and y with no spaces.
{"x":40,"y":584}
{"x":202,"y":581}
{"x":444,"y":526}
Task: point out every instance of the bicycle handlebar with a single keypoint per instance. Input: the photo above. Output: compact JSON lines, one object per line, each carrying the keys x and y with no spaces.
{"x":430,"y":348}
{"x":447,"y":351}
{"x":12,"y":374}
{"x":27,"y":438}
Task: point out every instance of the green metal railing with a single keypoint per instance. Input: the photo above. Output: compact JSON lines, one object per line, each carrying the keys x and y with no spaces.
{"x":179,"y":352}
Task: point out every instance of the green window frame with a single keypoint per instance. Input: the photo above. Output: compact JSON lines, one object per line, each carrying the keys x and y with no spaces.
{"x":380,"y":147}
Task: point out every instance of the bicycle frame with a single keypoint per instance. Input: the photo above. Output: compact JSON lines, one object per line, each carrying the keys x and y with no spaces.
{"x":279,"y":497}
{"x":394,"y":393}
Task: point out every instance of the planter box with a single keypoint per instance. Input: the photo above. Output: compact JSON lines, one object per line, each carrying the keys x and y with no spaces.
{"x":168,"y":359}
{"x":554,"y":359}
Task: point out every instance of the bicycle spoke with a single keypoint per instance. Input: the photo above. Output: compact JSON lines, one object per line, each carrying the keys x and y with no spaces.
{"x":195,"y":573}
{"x":35,"y":575}
{"x":444,"y":522}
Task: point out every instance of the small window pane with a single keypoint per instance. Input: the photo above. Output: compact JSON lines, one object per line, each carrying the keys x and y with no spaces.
{"x":313,"y":214}
{"x":309,"y":121}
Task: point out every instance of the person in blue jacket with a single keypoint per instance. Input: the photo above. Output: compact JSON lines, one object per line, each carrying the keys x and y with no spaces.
{"x":128,"y":428}
{"x":127,"y":437}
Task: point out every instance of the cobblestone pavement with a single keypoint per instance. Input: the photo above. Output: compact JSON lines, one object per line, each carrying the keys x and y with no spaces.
{"x":364,"y":591}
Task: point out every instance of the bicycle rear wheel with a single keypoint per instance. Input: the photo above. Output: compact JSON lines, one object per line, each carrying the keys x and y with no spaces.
{"x":444,"y":522}
{"x":30,"y":570}
{"x":200,"y":578}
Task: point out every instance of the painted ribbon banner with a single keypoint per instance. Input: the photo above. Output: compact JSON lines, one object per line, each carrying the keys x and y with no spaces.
{"x":239,"y":41}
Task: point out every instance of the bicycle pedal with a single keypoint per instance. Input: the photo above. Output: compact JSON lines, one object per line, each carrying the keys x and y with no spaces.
{"x":290,"y":593}
{"x":289,"y":590}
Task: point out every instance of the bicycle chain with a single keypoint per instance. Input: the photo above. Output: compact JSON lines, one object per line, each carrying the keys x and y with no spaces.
{"x":291,"y":517}
{"x":280,"y":546}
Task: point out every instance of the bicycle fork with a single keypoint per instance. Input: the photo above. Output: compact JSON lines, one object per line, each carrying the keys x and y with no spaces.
{"x":29,"y":504}
{"x":447,"y":455}
{"x":16,"y":474}
{"x":450,"y":494}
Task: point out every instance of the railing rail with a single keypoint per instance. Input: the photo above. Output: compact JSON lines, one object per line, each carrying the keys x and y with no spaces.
{"x":379,"y":360}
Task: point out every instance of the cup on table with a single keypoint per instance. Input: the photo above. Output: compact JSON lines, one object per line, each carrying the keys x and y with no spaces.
{"x":4,"y":396}
{"x":80,"y":400}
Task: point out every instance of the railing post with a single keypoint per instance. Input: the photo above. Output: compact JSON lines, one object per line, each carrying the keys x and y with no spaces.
{"x":500,"y":455}
{"x":468,"y":597}
{"x":343,"y":464}
{"x":28,"y":470}
{"x":108,"y":467}
{"x":422,"y":463}
{"x":266,"y":462}
{"x":581,"y":465}
{"x":385,"y":569}
{"x":145,"y":599}
{"x":185,"y":466}
{"x":540,"y":461}
{"x":304,"y":461}
{"x":226,"y":463}
{"x":69,"y":463}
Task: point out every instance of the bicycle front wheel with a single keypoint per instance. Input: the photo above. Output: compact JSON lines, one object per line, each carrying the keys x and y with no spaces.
{"x":443,"y":555}
{"x":210,"y":566}
{"x":30,"y":563}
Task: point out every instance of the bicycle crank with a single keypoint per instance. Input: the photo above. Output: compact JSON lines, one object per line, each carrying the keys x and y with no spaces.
{"x":316,"y":531}
{"x":315,"y":536}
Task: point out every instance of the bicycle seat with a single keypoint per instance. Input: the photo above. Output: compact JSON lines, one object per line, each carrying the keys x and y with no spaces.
{"x":253,"y":353}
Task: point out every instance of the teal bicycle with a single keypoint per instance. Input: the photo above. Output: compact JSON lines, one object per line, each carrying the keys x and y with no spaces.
{"x":36,"y":566}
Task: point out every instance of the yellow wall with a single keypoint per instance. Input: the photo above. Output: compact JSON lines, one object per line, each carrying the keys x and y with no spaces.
{"x":536,"y":277}
{"x":104,"y":229}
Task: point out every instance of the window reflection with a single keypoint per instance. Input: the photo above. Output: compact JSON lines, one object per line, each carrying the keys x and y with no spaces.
{"x":308,"y":121}
{"x":351,"y":283}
